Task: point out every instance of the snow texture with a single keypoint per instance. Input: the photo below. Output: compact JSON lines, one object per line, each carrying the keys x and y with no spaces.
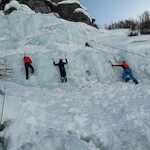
{"x":69,"y":2}
{"x":95,"y":110}
{"x":12,"y":3}
{"x":82,"y":11}
{"x":18,"y":6}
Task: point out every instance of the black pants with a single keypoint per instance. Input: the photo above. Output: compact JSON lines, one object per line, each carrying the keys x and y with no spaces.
{"x":63,"y":74}
{"x":27,"y":66}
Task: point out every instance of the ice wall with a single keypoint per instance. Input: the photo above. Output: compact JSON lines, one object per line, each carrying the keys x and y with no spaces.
{"x":47,"y":38}
{"x":114,"y":114}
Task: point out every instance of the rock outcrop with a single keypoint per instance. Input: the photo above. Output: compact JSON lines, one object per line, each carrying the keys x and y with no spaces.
{"x":3,"y":3}
{"x":81,"y":15}
{"x":37,"y":5}
{"x":67,"y":9}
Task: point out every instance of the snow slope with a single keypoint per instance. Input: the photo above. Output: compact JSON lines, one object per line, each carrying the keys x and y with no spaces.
{"x":95,"y":110}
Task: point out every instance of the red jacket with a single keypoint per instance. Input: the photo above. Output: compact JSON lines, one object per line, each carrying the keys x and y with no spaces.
{"x":27,"y":59}
{"x":123,"y":65}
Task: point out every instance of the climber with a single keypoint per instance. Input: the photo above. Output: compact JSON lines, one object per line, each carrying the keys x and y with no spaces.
{"x":28,"y":64}
{"x":62,"y":70}
{"x":94,"y":24}
{"x":127,"y":72}
{"x":87,"y":44}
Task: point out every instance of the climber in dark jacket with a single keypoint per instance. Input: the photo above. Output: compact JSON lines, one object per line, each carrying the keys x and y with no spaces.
{"x":62,"y":69}
{"x":94,"y":24}
{"x":87,"y":44}
{"x":127,"y":72}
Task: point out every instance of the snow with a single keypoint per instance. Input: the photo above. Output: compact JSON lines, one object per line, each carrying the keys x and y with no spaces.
{"x":69,"y":2}
{"x":13,"y":3}
{"x":83,"y":7}
{"x":18,"y":6}
{"x":82,"y":11}
{"x":95,"y":110}
{"x":54,"y":3}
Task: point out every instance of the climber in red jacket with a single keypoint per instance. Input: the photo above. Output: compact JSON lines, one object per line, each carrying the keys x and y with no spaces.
{"x":124,"y":65}
{"x":127,"y":72}
{"x":28,"y":64}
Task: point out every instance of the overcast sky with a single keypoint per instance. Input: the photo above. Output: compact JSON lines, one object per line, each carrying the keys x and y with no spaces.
{"x":106,"y":11}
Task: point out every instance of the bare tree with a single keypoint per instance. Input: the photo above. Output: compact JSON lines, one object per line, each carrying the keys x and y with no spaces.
{"x":145,"y":23}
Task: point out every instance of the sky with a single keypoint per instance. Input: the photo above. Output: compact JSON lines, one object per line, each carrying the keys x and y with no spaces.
{"x":108,"y":11}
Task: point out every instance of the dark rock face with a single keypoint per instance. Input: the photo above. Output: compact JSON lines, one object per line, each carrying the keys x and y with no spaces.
{"x":3,"y":3}
{"x":65,"y":10}
{"x":81,"y":17}
{"x":56,"y":1}
{"x":37,"y":5}
{"x":9,"y":11}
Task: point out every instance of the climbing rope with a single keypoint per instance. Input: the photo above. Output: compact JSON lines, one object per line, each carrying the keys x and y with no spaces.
{"x":3,"y":93}
{"x":3,"y":104}
{"x":118,"y":48}
{"x":99,"y":50}
{"x":126,"y":50}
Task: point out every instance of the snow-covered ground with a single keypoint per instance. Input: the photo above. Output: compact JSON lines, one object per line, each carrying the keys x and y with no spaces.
{"x":95,"y":110}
